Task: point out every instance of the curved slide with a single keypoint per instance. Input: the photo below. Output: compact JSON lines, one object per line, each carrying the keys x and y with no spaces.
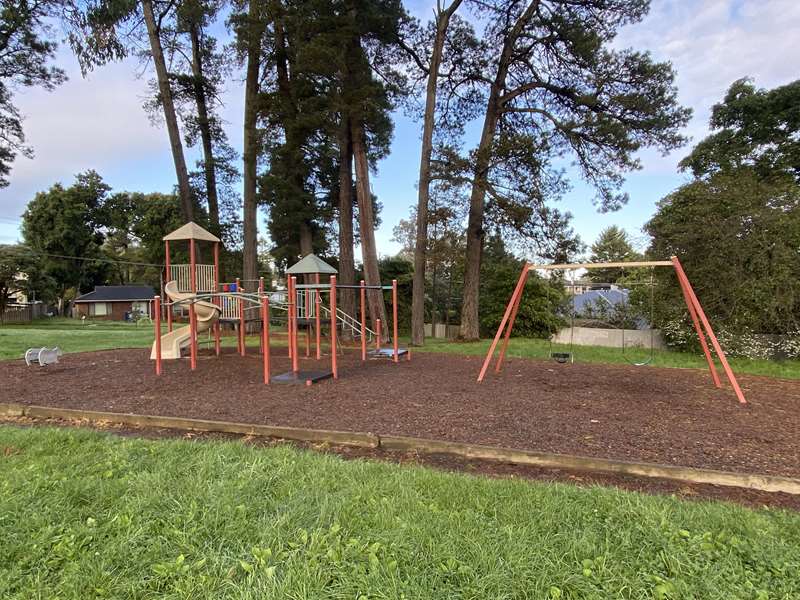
{"x":171,"y":343}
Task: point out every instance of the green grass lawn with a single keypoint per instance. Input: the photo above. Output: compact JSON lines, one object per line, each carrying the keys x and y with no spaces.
{"x":73,"y":336}
{"x":89,"y":515}
{"x":536,"y":348}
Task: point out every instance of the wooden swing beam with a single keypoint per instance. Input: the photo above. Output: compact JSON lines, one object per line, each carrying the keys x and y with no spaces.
{"x":699,"y":319}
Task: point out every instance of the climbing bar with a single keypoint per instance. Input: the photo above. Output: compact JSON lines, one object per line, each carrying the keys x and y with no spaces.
{"x":607,"y":265}
{"x":358,"y":287}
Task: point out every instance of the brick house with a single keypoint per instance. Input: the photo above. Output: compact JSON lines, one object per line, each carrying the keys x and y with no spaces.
{"x":112,"y":302}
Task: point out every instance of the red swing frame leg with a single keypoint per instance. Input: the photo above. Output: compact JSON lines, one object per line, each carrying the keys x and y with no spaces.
{"x":693,"y":301}
{"x":509,"y":308}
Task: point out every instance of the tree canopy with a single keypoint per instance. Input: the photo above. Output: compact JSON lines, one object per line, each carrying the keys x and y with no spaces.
{"x":738,"y":237}
{"x":612,"y":245}
{"x":754,"y":128}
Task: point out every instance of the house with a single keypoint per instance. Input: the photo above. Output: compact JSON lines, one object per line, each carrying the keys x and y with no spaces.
{"x":114,"y":302}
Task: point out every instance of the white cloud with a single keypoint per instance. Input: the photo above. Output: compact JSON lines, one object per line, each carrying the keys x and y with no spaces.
{"x":713,"y":43}
{"x":96,"y":123}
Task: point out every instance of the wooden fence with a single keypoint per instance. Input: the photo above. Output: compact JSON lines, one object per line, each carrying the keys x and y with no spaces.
{"x":22,"y":313}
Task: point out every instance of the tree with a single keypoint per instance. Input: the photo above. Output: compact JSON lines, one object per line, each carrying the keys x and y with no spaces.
{"x":557,"y":87}
{"x":249,"y":25}
{"x":752,"y":127}
{"x":431,"y":67}
{"x":107,"y":30}
{"x":538,"y":313}
{"x":13,"y":263}
{"x":61,"y":228}
{"x":737,"y":236}
{"x":612,"y":245}
{"x":25,"y":53}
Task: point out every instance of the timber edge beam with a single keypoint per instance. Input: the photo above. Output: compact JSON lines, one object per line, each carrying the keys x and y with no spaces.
{"x":608,"y":265}
{"x":752,"y":481}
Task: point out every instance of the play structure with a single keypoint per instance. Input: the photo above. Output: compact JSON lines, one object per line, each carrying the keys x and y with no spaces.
{"x":310,"y":307}
{"x":701,"y":324}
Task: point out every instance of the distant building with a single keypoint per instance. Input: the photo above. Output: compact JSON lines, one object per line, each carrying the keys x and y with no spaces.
{"x":114,"y":302}
{"x":581,"y":286}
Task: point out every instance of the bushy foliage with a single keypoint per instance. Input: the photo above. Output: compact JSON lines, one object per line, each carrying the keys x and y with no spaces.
{"x":737,"y":237}
{"x":538,"y":314}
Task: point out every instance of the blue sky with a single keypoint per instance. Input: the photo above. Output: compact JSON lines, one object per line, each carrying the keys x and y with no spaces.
{"x":98,"y":122}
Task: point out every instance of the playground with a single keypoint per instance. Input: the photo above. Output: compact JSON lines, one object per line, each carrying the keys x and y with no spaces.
{"x":659,"y":415}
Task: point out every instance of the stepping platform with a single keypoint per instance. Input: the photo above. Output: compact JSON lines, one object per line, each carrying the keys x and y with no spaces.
{"x":302,"y":377}
{"x":387,"y":353}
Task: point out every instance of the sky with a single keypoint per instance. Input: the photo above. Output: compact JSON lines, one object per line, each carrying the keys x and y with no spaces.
{"x":98,"y":122}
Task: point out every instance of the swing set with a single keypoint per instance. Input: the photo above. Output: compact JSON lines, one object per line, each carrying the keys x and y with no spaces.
{"x":701,"y":324}
{"x":569,"y":356}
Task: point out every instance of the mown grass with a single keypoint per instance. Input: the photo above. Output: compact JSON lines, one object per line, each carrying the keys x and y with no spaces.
{"x":536,"y":348}
{"x":89,"y":515}
{"x":71,"y":335}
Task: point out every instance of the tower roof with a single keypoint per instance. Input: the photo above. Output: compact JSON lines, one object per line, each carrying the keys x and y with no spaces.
{"x":191,"y":231}
{"x":311,"y":264}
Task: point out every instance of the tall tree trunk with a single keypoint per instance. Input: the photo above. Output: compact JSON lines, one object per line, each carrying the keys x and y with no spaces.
{"x":347,"y":268}
{"x":470,"y":322}
{"x":293,"y":144}
{"x":255,"y":31}
{"x":170,"y":116}
{"x":306,"y":239}
{"x":421,"y":242}
{"x":366,"y":223}
{"x":204,"y":124}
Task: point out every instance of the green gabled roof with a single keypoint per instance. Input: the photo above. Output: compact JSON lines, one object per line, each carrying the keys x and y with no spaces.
{"x":311,"y":264}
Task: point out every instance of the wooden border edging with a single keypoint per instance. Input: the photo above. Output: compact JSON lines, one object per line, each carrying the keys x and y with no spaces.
{"x":764,"y":483}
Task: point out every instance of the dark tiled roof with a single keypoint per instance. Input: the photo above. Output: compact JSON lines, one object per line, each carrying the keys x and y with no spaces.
{"x":117,"y":293}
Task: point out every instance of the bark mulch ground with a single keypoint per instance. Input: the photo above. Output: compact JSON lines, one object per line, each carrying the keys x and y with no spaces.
{"x":668,"y":416}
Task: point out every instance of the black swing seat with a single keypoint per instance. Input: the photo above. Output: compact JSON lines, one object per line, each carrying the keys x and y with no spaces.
{"x":561,"y":357}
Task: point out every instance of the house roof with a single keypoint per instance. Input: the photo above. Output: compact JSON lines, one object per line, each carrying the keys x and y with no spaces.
{"x":117,"y":293}
{"x":311,"y":264}
{"x":610,"y":298}
{"x":191,"y":231}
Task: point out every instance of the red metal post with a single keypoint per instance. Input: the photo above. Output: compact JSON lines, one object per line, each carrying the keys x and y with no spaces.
{"x":242,"y":329}
{"x":193,"y":335}
{"x":169,"y":278}
{"x":511,"y":323}
{"x":700,"y":335}
{"x":290,"y":310}
{"x":295,"y":358}
{"x":334,"y":366}
{"x":217,"y":300}
{"x":506,"y":315}
{"x":265,"y":336}
{"x":378,"y":334}
{"x":394,"y":320}
{"x":157,"y":311}
{"x":192,"y":268}
{"x":714,"y":342}
{"x":317,"y":307}
{"x":363,"y":321}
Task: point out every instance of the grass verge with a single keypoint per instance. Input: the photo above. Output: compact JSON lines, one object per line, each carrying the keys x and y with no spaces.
{"x":90,"y":515}
{"x":535,"y":348}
